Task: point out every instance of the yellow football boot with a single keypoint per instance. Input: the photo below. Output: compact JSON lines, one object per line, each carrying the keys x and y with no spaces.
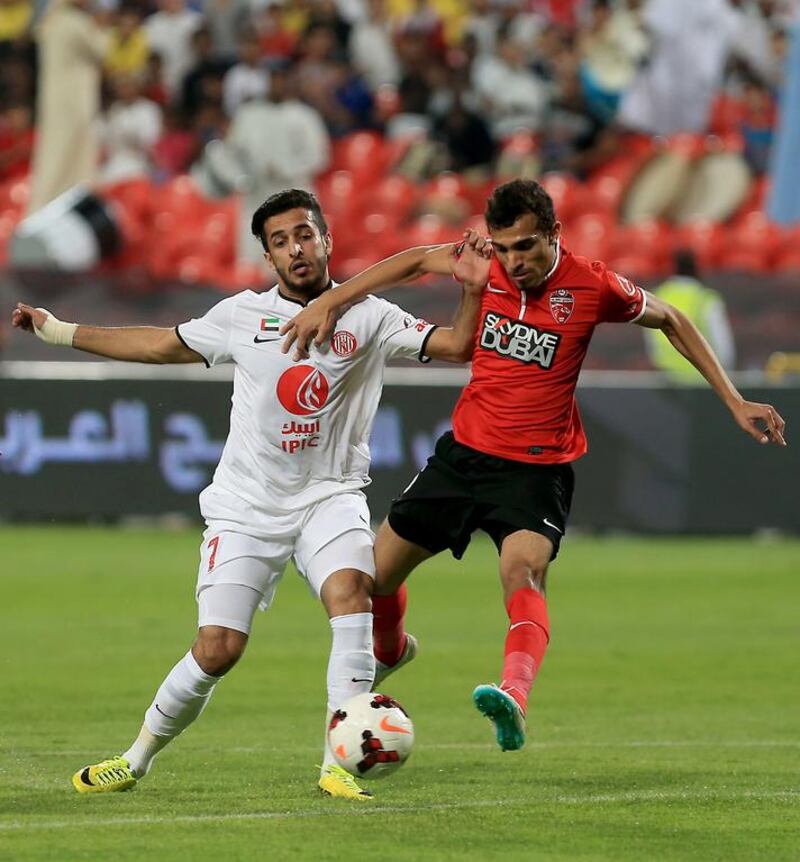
{"x":336,"y":781}
{"x":108,"y":776}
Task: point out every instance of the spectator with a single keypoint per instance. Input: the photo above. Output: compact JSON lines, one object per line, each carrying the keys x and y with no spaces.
{"x":277,"y":42}
{"x":372,"y":50}
{"x":72,"y":50}
{"x":466,"y":138}
{"x":325,"y":13}
{"x":227,"y":20}
{"x":482,"y":24}
{"x":612,"y":48}
{"x":16,"y":141}
{"x":169,"y":32}
{"x":691,"y":42}
{"x":129,"y":50}
{"x":153,"y":81}
{"x":177,"y":147}
{"x":129,"y":131}
{"x":248,"y":79}
{"x":203,"y":81}
{"x":15,"y":23}
{"x":759,"y":113}
{"x":705,"y":308}
{"x":298,"y":150}
{"x":513,"y":97}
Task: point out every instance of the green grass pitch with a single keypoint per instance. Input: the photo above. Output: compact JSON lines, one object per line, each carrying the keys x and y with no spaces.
{"x":664,"y":724}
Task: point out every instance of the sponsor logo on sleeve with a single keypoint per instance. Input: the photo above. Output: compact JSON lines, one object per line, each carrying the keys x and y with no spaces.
{"x":518,"y":340}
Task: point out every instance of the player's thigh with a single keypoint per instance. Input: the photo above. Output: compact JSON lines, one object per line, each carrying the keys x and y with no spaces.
{"x":228,"y":557}
{"x":395,"y":559}
{"x":227,"y":606}
{"x":336,"y":542}
{"x":524,"y":558}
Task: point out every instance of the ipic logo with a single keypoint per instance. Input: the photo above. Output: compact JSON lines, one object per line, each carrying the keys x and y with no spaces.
{"x":303,"y":389}
{"x":518,"y":340}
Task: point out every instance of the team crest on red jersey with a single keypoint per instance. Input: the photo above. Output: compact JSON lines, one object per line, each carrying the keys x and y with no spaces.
{"x":562,"y":302}
{"x":303,"y":389}
{"x":344,"y":343}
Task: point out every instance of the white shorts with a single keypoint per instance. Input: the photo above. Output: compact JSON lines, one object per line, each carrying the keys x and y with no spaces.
{"x":331,"y":535}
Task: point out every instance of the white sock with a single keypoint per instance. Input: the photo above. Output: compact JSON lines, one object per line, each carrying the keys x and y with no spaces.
{"x":178,"y":702}
{"x":351,"y":668}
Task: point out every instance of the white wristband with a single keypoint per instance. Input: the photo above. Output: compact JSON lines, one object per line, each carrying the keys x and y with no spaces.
{"x":55,"y":331}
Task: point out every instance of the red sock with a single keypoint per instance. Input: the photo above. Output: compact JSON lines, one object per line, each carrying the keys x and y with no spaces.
{"x":526,"y":642}
{"x":389,"y":636}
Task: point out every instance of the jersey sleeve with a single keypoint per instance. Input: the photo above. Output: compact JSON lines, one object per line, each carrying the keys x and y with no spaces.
{"x":210,"y":335}
{"x":401,"y":335}
{"x":621,"y":301}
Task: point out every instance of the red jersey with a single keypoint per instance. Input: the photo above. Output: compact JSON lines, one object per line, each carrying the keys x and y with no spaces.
{"x":529,"y":348}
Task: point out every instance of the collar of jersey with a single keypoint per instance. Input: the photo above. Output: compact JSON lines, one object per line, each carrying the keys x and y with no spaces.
{"x":331,"y":284}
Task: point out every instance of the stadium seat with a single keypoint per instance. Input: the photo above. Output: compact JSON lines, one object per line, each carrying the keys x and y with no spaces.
{"x":701,"y":237}
{"x":339,"y":194}
{"x":392,"y":194}
{"x":361,"y":153}
{"x":569,"y":196}
{"x":636,"y":265}
{"x":650,"y":240}
{"x":588,"y":235}
{"x":430,"y":230}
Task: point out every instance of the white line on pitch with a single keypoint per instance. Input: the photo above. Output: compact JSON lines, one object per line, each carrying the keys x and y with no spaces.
{"x":478,"y":746}
{"x":592,"y":799}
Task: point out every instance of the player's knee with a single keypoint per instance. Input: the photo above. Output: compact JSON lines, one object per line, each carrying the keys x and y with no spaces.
{"x":217,"y":649}
{"x":347,"y":592}
{"x":520,"y":574}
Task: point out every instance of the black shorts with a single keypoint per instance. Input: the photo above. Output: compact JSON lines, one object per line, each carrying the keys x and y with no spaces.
{"x":462,"y":490}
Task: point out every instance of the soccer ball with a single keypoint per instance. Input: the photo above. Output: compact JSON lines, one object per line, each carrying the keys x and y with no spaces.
{"x":371,"y":735}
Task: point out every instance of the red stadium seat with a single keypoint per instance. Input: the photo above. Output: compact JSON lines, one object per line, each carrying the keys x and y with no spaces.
{"x":648,"y":239}
{"x":788,"y":260}
{"x":744,"y":260}
{"x":752,"y":238}
{"x":636,"y":266}
{"x":569,"y":196}
{"x":339,"y":194}
{"x":430,"y":230}
{"x":392,"y":194}
{"x":589,"y":235}
{"x":362,"y":153}
{"x":701,"y":237}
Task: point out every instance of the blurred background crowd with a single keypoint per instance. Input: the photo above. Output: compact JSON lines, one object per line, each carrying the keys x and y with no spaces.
{"x":651,"y":123}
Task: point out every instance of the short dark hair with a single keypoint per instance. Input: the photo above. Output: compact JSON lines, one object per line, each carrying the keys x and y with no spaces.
{"x":685,"y":263}
{"x":512,"y":200}
{"x":283,"y":202}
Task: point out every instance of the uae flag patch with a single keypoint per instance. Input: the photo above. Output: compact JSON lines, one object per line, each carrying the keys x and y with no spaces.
{"x":270,"y":324}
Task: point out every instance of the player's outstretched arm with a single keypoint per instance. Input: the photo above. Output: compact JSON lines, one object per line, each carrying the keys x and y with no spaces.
{"x":471,"y":267}
{"x":129,"y":343}
{"x":318,"y":320}
{"x":760,"y":421}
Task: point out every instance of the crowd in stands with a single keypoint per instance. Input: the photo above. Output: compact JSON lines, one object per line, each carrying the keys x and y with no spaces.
{"x":250,"y":96}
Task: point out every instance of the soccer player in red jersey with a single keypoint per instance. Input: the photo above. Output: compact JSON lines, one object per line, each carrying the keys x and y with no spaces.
{"x":506,"y":466}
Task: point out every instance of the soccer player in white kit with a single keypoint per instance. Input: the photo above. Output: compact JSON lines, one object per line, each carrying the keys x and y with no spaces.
{"x":289,"y":484}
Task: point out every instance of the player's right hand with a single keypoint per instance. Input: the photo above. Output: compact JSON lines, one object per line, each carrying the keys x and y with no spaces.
{"x":317,"y":321}
{"x":471,"y":261}
{"x":26,"y":317}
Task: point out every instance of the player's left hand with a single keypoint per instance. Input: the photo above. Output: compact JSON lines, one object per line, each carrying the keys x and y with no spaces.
{"x":761,"y":421}
{"x":471,"y":260}
{"x":317,"y":321}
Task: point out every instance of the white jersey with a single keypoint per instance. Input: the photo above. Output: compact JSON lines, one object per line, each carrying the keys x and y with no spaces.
{"x":299,"y":430}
